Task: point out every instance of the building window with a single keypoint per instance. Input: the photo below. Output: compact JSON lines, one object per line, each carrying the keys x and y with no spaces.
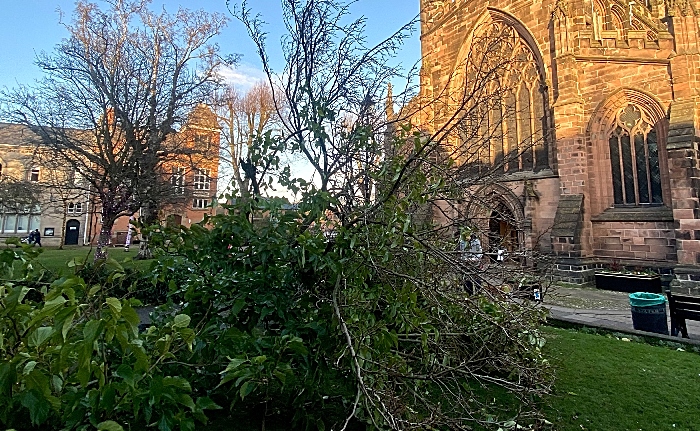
{"x":506,"y":127}
{"x":34,"y":175}
{"x":202,"y":141}
{"x":200,"y":204}
{"x":75,"y":207}
{"x":201,"y":179}
{"x":634,"y":160}
{"x":177,"y":180}
{"x":19,"y":221}
{"x":77,"y":179}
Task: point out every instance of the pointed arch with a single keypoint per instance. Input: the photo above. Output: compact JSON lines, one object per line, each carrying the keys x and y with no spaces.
{"x":496,"y":202}
{"x":500,"y":63}
{"x":627,"y":133}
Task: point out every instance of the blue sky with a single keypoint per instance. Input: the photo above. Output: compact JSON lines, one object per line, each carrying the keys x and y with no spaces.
{"x":28,"y":27}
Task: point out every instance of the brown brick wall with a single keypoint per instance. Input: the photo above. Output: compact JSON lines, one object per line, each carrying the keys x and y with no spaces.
{"x":643,"y":241}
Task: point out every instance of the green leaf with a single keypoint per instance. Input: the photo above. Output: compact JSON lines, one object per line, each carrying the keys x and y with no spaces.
{"x":37,"y":405}
{"x":92,"y":330}
{"x":115,"y":306}
{"x":181,"y":321}
{"x":177,"y":382}
{"x":187,"y":424}
{"x":132,"y":318}
{"x":39,"y":336}
{"x":29,"y":367}
{"x":206,"y":403}
{"x":8,"y":377}
{"x":109,"y":426}
{"x":246,"y":389}
{"x":127,"y":373}
{"x":187,"y":335}
{"x":186,"y":401}
{"x":164,"y":424}
{"x":233,"y":364}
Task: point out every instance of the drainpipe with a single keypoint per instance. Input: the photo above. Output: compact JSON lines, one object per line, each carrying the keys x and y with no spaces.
{"x":85,"y":227}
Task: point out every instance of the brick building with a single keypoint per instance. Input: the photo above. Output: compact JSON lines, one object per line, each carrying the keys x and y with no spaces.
{"x":66,"y":210}
{"x":609,"y":92}
{"x":60,"y":205}
{"x":193,"y":177}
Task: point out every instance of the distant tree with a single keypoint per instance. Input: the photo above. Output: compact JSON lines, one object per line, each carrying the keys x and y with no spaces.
{"x":16,"y":195}
{"x":114,"y":93}
{"x":244,"y":117}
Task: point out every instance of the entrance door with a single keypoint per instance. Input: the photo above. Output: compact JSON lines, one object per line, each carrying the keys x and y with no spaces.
{"x":503,"y":233}
{"x":72,"y":232}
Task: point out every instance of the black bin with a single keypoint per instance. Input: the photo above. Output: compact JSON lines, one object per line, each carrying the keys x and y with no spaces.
{"x":649,"y":312}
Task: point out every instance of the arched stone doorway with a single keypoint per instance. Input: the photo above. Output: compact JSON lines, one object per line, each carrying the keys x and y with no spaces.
{"x":500,"y":217}
{"x":72,"y":233}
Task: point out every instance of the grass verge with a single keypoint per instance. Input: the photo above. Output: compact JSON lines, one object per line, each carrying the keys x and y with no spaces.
{"x":56,"y":260}
{"x":605,"y":383}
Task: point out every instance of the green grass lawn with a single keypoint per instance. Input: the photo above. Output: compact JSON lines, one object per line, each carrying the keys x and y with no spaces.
{"x":608,"y":384}
{"x":57,"y":260}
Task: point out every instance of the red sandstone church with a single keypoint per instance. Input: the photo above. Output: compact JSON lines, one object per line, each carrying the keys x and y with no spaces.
{"x":607,"y":94}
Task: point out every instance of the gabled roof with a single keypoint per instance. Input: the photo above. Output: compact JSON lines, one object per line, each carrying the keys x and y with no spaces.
{"x":18,"y":134}
{"x":202,"y":117}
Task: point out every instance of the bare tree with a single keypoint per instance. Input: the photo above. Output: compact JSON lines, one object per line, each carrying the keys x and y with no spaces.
{"x":244,"y":117}
{"x":113,"y":94}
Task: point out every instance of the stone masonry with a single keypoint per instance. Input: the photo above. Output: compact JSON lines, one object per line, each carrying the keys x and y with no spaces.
{"x":621,"y":82}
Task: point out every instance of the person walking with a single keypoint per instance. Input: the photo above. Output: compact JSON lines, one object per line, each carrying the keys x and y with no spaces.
{"x":37,"y":237}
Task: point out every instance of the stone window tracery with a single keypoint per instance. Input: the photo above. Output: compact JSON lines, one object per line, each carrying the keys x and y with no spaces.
{"x":509,"y":124}
{"x":634,"y":159}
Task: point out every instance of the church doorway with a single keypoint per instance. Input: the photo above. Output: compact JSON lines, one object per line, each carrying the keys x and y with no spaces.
{"x":72,"y":232}
{"x":503,"y":233}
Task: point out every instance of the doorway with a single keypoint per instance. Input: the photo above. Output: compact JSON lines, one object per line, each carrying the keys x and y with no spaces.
{"x":72,"y":232}
{"x":503,"y":232}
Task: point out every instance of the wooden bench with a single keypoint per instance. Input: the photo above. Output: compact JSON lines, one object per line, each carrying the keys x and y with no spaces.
{"x":683,"y":307}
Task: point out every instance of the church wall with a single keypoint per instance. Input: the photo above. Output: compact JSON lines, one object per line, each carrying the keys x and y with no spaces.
{"x":652,"y":242}
{"x":655,"y":60}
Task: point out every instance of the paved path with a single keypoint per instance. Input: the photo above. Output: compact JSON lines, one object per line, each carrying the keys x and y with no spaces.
{"x":599,"y":308}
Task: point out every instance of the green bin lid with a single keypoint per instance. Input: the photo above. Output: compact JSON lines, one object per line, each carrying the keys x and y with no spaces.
{"x":644,"y":299}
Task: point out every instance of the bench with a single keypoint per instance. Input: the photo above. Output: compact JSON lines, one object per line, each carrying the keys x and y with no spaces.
{"x":682,"y":307}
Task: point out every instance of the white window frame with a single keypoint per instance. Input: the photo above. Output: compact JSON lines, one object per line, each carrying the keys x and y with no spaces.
{"x":34,"y":174}
{"x":202,"y":181}
{"x":200,"y":204}
{"x":177,"y":179}
{"x":32,"y":216}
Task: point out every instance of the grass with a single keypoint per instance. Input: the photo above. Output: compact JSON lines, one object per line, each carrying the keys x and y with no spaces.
{"x":604,"y":383}
{"x":57,"y":260}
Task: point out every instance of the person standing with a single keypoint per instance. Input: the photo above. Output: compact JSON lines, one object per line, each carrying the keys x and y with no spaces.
{"x":475,"y":250}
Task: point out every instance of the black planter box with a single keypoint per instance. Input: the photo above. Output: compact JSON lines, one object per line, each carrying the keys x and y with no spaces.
{"x":629,"y":283}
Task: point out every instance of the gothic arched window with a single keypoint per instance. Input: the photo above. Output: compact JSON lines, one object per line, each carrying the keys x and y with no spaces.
{"x":505,"y":123}
{"x":634,"y":159}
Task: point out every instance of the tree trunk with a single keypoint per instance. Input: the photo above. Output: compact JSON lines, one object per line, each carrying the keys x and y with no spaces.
{"x":63,"y":228}
{"x":149,"y":217}
{"x":103,"y":241}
